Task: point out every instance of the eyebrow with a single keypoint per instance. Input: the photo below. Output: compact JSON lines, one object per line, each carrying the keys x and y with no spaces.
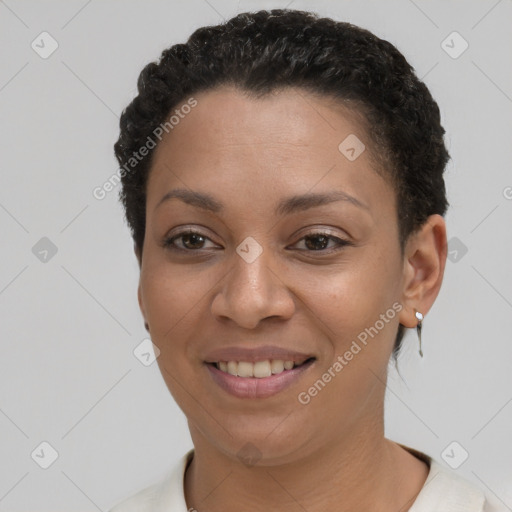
{"x":286,"y":206}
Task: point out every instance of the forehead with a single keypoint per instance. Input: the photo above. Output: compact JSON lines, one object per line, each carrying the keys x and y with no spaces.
{"x":288,"y":116}
{"x":289,"y":140}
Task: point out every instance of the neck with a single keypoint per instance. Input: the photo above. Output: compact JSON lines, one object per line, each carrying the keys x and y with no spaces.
{"x":362,"y":471}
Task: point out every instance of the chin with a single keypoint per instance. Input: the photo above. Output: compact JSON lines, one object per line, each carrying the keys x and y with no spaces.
{"x":260,"y":445}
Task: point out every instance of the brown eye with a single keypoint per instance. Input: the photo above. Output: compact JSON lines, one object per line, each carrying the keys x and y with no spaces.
{"x":319,"y":242}
{"x":190,"y":241}
{"x":316,"y":242}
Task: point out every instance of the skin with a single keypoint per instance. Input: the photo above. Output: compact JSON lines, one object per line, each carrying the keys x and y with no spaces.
{"x":249,"y":154}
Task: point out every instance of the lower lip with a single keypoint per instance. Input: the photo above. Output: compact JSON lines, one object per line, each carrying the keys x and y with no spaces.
{"x":252,"y":387}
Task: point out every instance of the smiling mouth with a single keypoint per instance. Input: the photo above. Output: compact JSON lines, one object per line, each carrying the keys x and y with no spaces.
{"x":259,"y":369}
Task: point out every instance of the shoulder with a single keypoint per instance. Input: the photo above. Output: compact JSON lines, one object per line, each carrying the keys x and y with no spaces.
{"x":142,"y":501}
{"x":446,"y":491}
{"x":167,"y":494}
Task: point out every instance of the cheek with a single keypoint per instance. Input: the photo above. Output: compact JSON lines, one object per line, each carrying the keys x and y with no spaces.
{"x":353,"y":296}
{"x":172,"y":301}
{"x":348,"y":308}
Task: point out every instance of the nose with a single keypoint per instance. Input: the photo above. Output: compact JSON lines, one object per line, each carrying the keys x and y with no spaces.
{"x":252,"y":292}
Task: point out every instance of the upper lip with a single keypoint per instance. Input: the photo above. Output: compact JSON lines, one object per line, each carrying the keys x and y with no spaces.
{"x":256,"y":354}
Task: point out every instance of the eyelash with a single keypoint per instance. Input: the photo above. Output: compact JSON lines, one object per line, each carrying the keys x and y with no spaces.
{"x":168,"y":243}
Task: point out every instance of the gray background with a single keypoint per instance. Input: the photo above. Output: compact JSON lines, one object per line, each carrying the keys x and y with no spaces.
{"x":69,"y":324}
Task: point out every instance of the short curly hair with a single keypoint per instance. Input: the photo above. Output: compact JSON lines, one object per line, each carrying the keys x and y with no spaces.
{"x":267,"y":51}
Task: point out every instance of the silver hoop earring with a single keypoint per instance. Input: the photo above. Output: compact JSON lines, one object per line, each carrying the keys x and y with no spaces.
{"x":419,"y":316}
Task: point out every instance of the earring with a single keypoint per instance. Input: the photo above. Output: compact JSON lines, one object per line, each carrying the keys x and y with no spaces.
{"x":146,"y":326}
{"x":419,"y":316}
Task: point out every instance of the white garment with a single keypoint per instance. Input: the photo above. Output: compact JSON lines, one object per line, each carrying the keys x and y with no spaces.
{"x":443,"y":491}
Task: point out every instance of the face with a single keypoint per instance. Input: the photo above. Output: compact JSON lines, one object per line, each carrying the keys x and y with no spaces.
{"x":293,"y":256}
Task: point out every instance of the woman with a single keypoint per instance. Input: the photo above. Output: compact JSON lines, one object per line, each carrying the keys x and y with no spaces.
{"x":283,"y":182}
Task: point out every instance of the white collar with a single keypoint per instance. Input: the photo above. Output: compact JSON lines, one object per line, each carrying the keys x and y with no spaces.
{"x":443,"y":490}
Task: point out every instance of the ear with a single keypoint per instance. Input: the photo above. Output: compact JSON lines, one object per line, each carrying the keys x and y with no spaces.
{"x":141,"y":303}
{"x":138,"y":254}
{"x":139,"y":288}
{"x":424,"y":263}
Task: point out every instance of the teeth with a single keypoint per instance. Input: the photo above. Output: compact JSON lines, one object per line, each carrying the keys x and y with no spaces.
{"x":277,"y":366}
{"x":232,"y":368}
{"x":259,"y":369}
{"x":245,"y":369}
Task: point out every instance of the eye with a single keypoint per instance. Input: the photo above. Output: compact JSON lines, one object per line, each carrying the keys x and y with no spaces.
{"x":190,"y":241}
{"x":319,"y":241}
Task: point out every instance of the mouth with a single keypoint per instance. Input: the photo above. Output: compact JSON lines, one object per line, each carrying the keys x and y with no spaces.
{"x":257,"y":379}
{"x":258,"y":369}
